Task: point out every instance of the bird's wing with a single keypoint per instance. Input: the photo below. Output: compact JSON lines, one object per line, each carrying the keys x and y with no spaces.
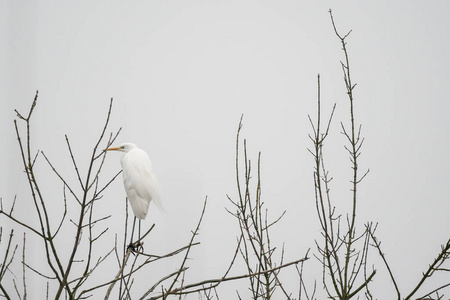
{"x":139,"y":177}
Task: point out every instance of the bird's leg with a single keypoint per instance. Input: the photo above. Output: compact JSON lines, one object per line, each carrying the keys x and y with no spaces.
{"x":139,"y":246}
{"x":132,"y":231}
{"x":136,"y":246}
{"x":139,"y":229}
{"x":131,"y":246}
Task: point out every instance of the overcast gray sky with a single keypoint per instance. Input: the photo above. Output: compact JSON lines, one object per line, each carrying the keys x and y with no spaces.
{"x":181,"y":74}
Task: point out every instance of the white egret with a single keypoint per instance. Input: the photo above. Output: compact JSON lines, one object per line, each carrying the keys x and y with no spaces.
{"x":139,"y":181}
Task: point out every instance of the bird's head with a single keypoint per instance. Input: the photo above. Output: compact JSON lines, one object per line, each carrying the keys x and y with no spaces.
{"x":126,"y":147}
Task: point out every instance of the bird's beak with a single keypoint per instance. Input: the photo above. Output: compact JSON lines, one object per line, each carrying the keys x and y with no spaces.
{"x":114,"y":148}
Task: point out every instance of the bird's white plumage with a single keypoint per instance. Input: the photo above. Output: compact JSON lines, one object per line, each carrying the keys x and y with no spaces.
{"x":139,"y":179}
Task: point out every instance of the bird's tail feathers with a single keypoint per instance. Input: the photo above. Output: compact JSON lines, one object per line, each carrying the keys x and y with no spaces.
{"x":158,"y":203}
